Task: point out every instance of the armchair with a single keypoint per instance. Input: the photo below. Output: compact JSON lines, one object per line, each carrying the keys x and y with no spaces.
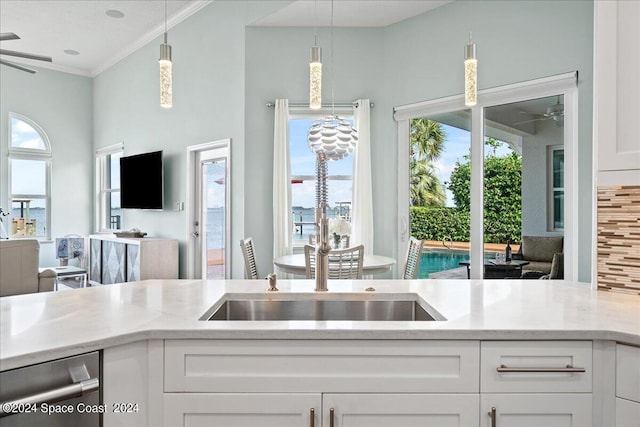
{"x":19,"y":260}
{"x":539,"y":251}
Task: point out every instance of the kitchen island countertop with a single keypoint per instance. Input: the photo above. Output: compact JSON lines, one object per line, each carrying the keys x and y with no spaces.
{"x":49,"y":325}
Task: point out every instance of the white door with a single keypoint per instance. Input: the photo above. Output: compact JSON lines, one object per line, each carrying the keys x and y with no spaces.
{"x":406,"y":410}
{"x":535,"y":410}
{"x":209,"y":211}
{"x":241,"y":409}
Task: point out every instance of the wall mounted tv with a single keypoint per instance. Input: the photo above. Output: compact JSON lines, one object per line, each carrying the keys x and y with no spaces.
{"x":141,"y":181}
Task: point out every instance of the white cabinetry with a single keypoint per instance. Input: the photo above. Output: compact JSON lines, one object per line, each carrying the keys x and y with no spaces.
{"x":627,"y":386}
{"x":527,"y":383}
{"x":118,"y":260}
{"x":362,"y":383}
{"x":617,"y":91}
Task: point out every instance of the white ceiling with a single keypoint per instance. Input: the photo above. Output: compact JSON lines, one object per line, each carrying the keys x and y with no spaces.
{"x":49,"y":27}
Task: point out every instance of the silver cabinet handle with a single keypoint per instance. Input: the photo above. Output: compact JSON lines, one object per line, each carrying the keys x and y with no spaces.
{"x":51,"y":396}
{"x":312,"y":417}
{"x":492,"y":415}
{"x":568,"y":368}
{"x":332,"y":413}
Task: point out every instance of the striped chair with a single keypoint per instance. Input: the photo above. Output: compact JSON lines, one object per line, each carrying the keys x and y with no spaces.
{"x":412,"y":266}
{"x":249,"y":258}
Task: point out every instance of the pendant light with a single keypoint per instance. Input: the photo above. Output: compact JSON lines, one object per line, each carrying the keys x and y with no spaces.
{"x":315,"y":69}
{"x":470,"y":74}
{"x":333,"y":136}
{"x":166,"y":84}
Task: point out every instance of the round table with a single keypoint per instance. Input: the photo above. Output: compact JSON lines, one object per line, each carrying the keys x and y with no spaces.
{"x":371,"y":264}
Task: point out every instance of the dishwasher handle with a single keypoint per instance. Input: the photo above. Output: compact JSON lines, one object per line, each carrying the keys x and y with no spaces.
{"x":70,"y":391}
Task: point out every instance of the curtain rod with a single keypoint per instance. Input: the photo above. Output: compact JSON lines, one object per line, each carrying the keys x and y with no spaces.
{"x":324,"y":106}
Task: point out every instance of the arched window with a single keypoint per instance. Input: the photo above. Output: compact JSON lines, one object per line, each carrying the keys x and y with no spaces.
{"x":29,"y":179}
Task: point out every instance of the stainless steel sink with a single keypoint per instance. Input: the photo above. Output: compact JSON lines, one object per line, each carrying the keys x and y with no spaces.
{"x":318,"y":309}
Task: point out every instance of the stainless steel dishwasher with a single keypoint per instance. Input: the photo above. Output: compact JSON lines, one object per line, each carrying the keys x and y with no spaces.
{"x":64,"y":392}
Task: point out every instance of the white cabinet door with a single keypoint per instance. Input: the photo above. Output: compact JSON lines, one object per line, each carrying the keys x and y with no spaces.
{"x":617,"y":91}
{"x":627,"y":413}
{"x":535,"y":410}
{"x":406,"y":410}
{"x":241,"y":409}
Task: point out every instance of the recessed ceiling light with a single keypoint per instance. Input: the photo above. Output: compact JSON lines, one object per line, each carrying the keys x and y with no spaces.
{"x":114,"y":13}
{"x":71,"y":52}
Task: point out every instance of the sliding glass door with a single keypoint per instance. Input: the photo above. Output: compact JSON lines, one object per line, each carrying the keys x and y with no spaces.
{"x":504,"y":170}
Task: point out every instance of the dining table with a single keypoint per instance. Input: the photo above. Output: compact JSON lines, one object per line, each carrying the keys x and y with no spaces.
{"x":371,"y":264}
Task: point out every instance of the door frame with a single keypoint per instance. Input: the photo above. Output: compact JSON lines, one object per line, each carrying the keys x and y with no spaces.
{"x":193,"y":152}
{"x":565,"y":84}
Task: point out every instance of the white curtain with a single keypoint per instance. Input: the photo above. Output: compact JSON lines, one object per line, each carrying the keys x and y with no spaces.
{"x":362,"y":215}
{"x":282,"y":217}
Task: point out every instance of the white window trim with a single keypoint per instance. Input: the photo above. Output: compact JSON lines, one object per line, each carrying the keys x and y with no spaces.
{"x":563,"y":84}
{"x":551,"y":189}
{"x":101,"y":154}
{"x":42,"y":154}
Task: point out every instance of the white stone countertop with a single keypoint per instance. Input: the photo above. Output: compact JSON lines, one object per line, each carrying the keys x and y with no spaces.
{"x":49,"y":325}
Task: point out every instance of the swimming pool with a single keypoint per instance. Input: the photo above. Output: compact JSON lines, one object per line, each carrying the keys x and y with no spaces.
{"x":438,"y":260}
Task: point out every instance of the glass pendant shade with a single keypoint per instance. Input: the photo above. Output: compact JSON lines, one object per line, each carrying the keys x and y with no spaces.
{"x":333,"y":136}
{"x":315,"y":79}
{"x":470,"y":75}
{"x":166,"y":84}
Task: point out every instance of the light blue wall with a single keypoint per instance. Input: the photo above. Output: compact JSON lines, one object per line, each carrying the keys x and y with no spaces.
{"x":61,"y":104}
{"x":208,"y":105}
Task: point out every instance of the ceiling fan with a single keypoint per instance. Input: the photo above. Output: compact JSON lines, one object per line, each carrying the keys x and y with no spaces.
{"x":12,"y":36}
{"x":554,"y":112}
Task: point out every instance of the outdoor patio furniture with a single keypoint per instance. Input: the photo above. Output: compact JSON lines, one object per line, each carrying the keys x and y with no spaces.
{"x":556,"y":273}
{"x":539,"y":251}
{"x":499,"y":270}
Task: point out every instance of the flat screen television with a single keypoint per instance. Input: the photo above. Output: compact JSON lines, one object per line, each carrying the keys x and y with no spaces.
{"x":141,"y":181}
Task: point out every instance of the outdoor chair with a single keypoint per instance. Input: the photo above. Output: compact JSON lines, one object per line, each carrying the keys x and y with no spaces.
{"x":249,"y":258}
{"x":414,"y":253}
{"x":539,"y":251}
{"x":343,"y":263}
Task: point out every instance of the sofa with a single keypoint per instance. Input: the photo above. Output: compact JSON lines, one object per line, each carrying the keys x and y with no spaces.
{"x":539,"y":251}
{"x":19,"y":273}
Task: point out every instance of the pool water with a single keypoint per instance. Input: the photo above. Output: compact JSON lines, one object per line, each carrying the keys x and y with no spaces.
{"x":434,"y":261}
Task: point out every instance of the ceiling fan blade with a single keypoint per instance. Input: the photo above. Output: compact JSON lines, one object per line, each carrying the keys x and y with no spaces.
{"x":8,"y":36}
{"x":529,"y":121}
{"x":25,"y":55}
{"x":16,"y":66}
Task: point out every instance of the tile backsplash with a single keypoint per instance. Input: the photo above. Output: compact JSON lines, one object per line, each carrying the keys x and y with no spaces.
{"x":619,"y":239}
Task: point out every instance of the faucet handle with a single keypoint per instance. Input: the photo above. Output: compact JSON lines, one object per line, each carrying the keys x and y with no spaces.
{"x":272,"y":278}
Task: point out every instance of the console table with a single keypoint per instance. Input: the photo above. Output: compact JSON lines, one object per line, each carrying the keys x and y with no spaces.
{"x":117,"y":260}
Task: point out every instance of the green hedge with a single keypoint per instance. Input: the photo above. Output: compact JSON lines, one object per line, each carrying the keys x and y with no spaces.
{"x":439,"y":223}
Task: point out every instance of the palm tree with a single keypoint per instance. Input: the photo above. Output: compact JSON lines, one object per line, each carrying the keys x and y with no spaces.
{"x":425,"y":187}
{"x":426,"y":142}
{"x":427,"y":139}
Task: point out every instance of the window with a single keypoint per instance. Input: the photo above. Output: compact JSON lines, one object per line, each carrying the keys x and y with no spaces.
{"x":303,"y":181}
{"x":556,"y":194}
{"x":29,"y":179}
{"x":108,"y":211}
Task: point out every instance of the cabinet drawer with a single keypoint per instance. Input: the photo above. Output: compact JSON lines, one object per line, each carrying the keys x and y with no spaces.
{"x":628,"y":372}
{"x":321,"y":366}
{"x":536,"y":366}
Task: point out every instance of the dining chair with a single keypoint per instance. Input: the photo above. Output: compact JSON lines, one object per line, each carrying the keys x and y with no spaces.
{"x":249,"y":258}
{"x":412,"y":266}
{"x":343,"y":263}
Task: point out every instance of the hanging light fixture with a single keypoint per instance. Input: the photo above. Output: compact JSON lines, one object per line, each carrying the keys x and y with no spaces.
{"x":332,"y":135}
{"x":470,"y":74}
{"x":315,"y":70}
{"x":166,"y":84}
